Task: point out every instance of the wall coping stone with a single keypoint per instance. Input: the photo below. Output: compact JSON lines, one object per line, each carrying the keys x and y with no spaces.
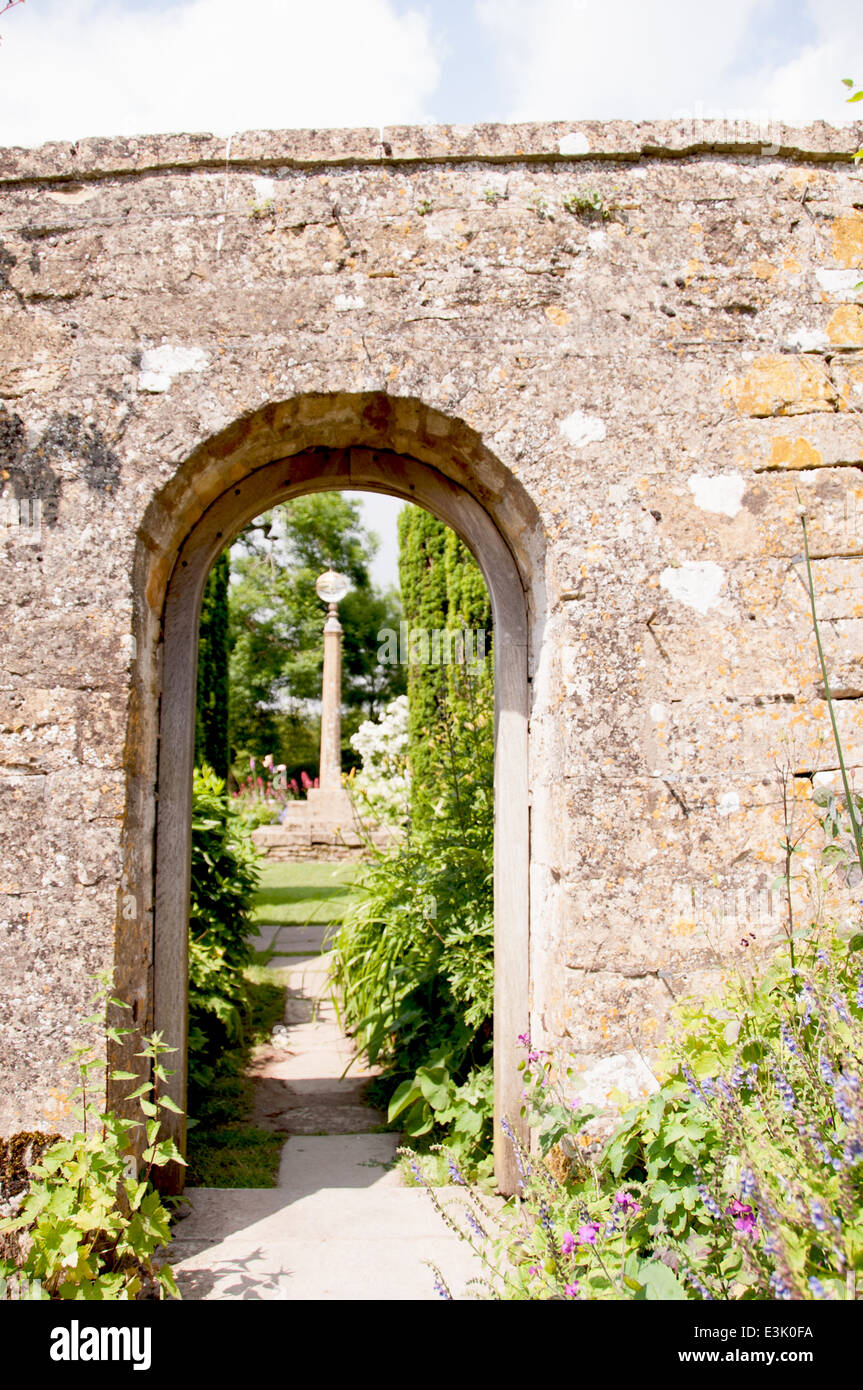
{"x":560,"y":142}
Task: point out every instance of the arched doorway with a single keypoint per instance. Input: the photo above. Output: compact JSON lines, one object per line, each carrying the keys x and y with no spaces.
{"x":198,"y":514}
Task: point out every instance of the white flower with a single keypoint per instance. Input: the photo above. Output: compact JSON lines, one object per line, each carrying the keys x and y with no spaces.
{"x":383,"y":785}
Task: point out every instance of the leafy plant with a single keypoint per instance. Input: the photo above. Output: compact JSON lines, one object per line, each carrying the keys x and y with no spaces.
{"x":412,"y":963}
{"x":224,"y":878}
{"x":259,"y":212}
{"x":740,"y":1178}
{"x":589,"y":204}
{"x":91,"y":1225}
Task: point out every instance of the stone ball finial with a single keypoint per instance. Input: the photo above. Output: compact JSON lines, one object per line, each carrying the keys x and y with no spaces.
{"x":331,"y":586}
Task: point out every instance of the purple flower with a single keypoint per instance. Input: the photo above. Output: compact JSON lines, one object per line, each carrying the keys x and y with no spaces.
{"x":691,"y":1083}
{"x":588,"y":1232}
{"x":808,"y":994}
{"x":744,"y":1217}
{"x":789,"y":1041}
{"x":626,"y":1202}
{"x":571,"y":1290}
{"x":779,"y":1286}
{"x":474,"y":1224}
{"x":789,"y":1100}
{"x":454,"y":1172}
{"x":569,"y":1243}
{"x":839,"y":1006}
{"x":707,"y":1199}
{"x":523,"y":1039}
{"x":819,"y":1220}
{"x":534,"y":1270}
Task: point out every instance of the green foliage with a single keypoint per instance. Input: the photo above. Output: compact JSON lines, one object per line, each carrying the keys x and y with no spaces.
{"x":224,"y":878}
{"x":260,"y":212}
{"x":741,"y":1177}
{"x":211,"y":711}
{"x":588,"y":204}
{"x":540,"y":206}
{"x":442,"y":588}
{"x":413,"y":963}
{"x":90,"y":1225}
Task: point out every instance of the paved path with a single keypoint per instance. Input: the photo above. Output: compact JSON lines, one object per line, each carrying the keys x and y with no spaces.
{"x":339,"y":1225}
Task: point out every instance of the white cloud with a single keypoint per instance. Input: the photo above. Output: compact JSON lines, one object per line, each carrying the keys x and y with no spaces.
{"x":809,"y":87}
{"x":649,"y":59}
{"x":72,"y":68}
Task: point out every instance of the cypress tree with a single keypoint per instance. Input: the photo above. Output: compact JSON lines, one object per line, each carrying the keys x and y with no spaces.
{"x":211,"y":715}
{"x":442,"y":588}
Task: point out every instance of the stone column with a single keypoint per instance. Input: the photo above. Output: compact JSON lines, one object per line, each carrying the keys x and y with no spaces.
{"x":330,"y":774}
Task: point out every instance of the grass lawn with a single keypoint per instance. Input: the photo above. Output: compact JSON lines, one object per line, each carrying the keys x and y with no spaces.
{"x":296,"y":894}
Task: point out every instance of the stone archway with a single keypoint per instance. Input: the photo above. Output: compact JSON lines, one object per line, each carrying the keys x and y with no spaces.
{"x":226,"y":484}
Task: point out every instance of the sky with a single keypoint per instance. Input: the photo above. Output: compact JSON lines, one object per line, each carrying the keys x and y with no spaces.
{"x":72,"y":68}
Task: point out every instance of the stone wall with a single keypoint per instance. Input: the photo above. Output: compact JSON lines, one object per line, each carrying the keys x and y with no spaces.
{"x":657,"y":348}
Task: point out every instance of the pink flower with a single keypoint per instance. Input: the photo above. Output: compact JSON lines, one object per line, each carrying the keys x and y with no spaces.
{"x":627,"y":1203}
{"x":571,"y":1290}
{"x":744,"y":1217}
{"x":534,"y":1270}
{"x":569,"y":1243}
{"x":588,"y":1232}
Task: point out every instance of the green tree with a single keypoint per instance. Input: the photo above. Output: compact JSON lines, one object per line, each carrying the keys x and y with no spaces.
{"x":211,"y":721}
{"x":442,"y":588}
{"x":276,"y":624}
